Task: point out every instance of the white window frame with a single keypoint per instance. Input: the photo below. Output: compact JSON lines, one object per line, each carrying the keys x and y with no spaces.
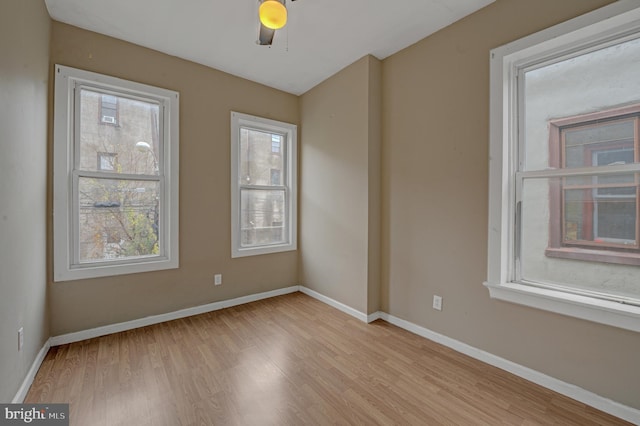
{"x":608,"y":23}
{"x":288,"y":148}
{"x":66,"y":264}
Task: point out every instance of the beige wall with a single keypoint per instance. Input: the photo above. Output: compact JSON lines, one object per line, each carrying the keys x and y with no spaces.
{"x":435,"y":172}
{"x":206,"y":98}
{"x":24,"y":65}
{"x":339,"y":180}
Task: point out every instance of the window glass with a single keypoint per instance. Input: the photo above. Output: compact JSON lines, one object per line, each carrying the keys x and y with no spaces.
{"x":577,"y":114}
{"x":259,"y":210}
{"x":581,"y":83}
{"x":600,"y":216}
{"x":256,"y":159}
{"x":275,"y":177}
{"x":118,"y":219}
{"x":586,"y":222}
{"x":606,"y":143}
{"x":136,"y":140}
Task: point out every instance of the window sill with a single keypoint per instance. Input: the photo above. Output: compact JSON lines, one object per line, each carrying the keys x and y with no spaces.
{"x":106,"y":269}
{"x":601,"y":311}
{"x":576,"y":253}
{"x":255,"y":251}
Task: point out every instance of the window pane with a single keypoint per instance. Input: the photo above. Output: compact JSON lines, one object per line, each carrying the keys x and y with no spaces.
{"x":615,"y":220}
{"x":259,"y":157}
{"x":599,"y":144}
{"x":575,"y":86}
{"x":598,"y":222}
{"x":118,"y":219}
{"x":593,"y":216}
{"x":262,"y":217}
{"x":133,"y":141}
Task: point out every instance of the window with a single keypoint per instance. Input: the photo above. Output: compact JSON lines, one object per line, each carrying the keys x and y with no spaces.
{"x":109,"y":109}
{"x":565,"y":169}
{"x":595,"y":218}
{"x":119,"y":214}
{"x":107,"y":161}
{"x":276,"y":140}
{"x":263,"y":186}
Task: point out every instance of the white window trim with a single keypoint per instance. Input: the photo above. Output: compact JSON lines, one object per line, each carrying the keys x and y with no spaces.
{"x":608,"y":22}
{"x":64,"y":266}
{"x":289,"y":148}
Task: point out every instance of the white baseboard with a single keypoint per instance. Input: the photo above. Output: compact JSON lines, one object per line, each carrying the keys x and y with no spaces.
{"x":334,"y":303}
{"x":586,"y":397}
{"x":374,"y":316}
{"x":156,"y":319}
{"x":31,"y":374}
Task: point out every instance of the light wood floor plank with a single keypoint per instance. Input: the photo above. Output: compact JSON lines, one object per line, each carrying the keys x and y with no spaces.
{"x":289,"y":360}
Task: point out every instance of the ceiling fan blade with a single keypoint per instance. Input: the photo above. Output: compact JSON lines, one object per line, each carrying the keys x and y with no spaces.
{"x":265,"y":38}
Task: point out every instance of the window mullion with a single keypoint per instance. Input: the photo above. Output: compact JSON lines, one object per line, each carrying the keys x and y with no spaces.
{"x":581,"y":171}
{"x":264,"y":187}
{"x":117,"y":176}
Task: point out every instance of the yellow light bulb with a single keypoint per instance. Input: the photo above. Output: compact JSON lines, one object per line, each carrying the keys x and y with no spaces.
{"x":273,"y":14}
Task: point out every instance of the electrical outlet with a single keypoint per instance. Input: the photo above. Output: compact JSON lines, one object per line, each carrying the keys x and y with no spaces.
{"x":217,"y":279}
{"x":20,"y":338}
{"x":437,"y":302}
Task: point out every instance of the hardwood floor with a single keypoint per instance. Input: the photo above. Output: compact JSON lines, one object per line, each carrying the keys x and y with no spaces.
{"x":289,"y":360}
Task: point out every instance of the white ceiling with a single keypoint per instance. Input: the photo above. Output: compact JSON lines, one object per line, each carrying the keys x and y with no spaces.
{"x":321,"y":36}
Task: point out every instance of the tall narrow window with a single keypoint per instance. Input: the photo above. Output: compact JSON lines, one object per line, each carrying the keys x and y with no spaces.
{"x":116,"y":215}
{"x":276,"y":142}
{"x":263,"y":204}
{"x":109,"y":109}
{"x":564,"y":222}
